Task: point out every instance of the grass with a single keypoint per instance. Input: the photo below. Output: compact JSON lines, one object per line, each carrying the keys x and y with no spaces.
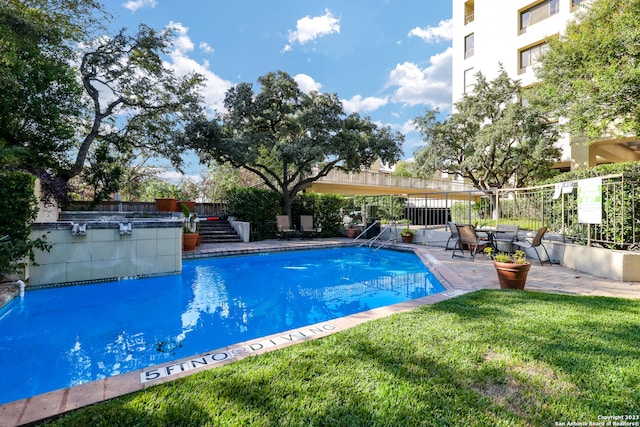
{"x":490,"y":358}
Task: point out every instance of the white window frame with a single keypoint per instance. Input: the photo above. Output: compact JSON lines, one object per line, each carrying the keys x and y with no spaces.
{"x":468,"y":50}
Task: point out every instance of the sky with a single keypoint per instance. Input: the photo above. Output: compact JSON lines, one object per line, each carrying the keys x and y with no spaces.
{"x":386,"y":59}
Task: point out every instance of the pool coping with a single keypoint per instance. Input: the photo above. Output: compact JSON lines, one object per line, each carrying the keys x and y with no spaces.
{"x":51,"y":404}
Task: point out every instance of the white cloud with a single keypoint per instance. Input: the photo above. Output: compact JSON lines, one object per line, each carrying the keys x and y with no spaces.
{"x":408,"y":127}
{"x":215,"y":87}
{"x":206,"y":48}
{"x":306,"y":83}
{"x":134,"y":5}
{"x":182,"y":41}
{"x":443,"y":32}
{"x":357,"y":103}
{"x":431,"y":85}
{"x":310,"y":28}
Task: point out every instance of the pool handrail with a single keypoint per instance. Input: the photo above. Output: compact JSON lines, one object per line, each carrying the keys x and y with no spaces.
{"x":365,"y":231}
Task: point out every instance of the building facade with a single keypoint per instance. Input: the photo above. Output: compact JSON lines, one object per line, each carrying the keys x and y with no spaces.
{"x":513,"y":34}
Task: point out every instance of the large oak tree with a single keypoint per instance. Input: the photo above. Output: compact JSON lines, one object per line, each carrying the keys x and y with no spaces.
{"x":289,"y":138}
{"x":493,"y":139}
{"x":64,"y":91}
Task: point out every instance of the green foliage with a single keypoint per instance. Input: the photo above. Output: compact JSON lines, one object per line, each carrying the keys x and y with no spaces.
{"x":620,"y":201}
{"x":596,"y":171}
{"x":327,"y":214}
{"x":159,"y":189}
{"x":58,"y":100}
{"x":493,"y":139}
{"x":190,"y":220}
{"x":21,"y":209}
{"x":590,"y":74}
{"x":407,"y":232}
{"x":404,"y":168}
{"x":387,"y":208}
{"x":288,"y":138}
{"x":488,"y":358}
{"x":40,"y":90}
{"x":325,"y":209}
{"x":260,"y":207}
{"x":219,"y":179}
{"x":104,"y":174}
{"x":257,"y":206}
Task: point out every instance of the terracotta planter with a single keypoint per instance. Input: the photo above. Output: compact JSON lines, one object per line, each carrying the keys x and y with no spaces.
{"x":189,"y":241}
{"x":166,"y":205}
{"x":510,"y":275}
{"x":352,"y":232}
{"x":407,"y":239}
{"x":199,"y":240}
{"x":190,"y":205}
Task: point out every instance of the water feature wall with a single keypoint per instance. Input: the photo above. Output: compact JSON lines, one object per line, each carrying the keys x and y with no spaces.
{"x":100,"y":246}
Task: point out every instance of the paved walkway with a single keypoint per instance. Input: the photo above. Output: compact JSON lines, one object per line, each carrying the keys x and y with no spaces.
{"x":459,"y":275}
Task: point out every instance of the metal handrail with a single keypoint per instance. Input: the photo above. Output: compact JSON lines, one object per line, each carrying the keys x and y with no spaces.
{"x":383,"y":244}
{"x":375,"y":238}
{"x":365,"y":230}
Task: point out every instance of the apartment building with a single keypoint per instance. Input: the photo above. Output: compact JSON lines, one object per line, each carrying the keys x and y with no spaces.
{"x":513,"y":33}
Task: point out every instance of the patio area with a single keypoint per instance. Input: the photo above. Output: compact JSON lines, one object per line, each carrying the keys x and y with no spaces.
{"x":459,"y":275}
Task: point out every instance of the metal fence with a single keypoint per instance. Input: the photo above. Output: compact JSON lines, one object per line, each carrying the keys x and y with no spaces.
{"x":554,"y":206}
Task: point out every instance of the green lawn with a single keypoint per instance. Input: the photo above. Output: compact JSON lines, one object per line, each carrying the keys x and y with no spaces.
{"x":491,"y":358}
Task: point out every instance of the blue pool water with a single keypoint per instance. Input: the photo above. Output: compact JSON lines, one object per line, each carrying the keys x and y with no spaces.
{"x":60,"y":337}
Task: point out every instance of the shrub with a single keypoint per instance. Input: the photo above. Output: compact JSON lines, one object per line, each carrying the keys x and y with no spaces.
{"x":257,"y":206}
{"x":20,"y":210}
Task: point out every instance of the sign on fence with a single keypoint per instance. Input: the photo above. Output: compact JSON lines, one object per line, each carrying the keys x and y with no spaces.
{"x":590,"y":201}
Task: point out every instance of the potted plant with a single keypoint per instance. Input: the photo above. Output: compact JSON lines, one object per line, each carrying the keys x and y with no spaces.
{"x":512,"y":269}
{"x":352,"y":232}
{"x":189,"y":204}
{"x":166,"y":204}
{"x":189,"y":229}
{"x":407,"y":235}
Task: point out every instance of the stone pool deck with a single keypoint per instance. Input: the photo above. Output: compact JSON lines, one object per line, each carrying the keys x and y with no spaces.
{"x":459,"y":275}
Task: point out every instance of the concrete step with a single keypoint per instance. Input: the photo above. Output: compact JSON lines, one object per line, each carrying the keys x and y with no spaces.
{"x":219,"y":231}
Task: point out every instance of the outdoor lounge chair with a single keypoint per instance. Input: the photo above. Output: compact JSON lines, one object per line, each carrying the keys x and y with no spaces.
{"x":504,"y":237}
{"x":469,"y":237}
{"x":306,"y":226}
{"x":454,"y":237}
{"x":284,"y":227}
{"x":534,"y":243}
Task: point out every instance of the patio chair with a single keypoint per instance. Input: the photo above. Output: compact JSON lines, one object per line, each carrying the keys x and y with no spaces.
{"x":284,"y":227}
{"x":505,"y":236}
{"x":469,"y":237}
{"x":307,"y":228}
{"x":454,"y":237}
{"x":535,"y":243}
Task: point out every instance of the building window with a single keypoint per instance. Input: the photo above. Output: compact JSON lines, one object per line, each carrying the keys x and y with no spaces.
{"x":469,"y":80}
{"x":575,"y":2}
{"x":531,"y":56}
{"x":538,"y":13}
{"x":469,"y":12}
{"x":468,"y":46}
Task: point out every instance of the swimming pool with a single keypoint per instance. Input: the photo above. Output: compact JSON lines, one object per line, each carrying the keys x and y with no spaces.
{"x":61,"y":337}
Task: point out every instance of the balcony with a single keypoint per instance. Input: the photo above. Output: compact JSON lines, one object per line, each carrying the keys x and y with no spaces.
{"x":469,"y":18}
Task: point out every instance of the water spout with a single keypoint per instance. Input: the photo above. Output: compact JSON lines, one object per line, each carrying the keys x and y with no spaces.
{"x":78,"y":229}
{"x":126,"y":228}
